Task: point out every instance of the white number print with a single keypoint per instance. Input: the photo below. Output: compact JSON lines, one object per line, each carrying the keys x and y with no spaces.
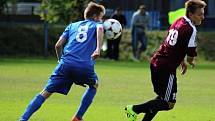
{"x":174,"y":96}
{"x":82,"y":33}
{"x":172,"y":37}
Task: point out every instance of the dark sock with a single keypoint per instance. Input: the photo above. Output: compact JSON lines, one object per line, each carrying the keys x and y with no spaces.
{"x":151,"y":106}
{"x":149,"y":116}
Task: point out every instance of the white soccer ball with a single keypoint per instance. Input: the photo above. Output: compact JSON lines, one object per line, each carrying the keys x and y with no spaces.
{"x":112,"y":29}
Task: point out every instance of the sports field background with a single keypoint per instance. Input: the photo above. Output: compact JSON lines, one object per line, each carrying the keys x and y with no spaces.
{"x":121,"y":83}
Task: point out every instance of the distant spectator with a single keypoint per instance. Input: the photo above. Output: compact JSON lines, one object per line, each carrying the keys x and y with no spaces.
{"x":139,"y":22}
{"x":113,"y":45}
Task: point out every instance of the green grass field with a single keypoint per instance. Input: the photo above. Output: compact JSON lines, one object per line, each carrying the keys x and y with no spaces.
{"x":121,"y":83}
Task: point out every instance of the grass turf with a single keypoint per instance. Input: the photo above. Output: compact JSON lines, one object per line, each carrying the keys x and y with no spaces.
{"x":121,"y":83}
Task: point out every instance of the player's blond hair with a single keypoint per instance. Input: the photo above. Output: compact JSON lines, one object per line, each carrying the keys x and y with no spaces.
{"x":93,"y":9}
{"x":192,"y":5}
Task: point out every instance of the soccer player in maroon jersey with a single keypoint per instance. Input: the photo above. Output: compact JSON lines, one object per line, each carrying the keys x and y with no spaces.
{"x":178,"y":48}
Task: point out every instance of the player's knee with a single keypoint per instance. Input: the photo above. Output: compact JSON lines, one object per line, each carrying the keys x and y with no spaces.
{"x":46,"y":94}
{"x":171,"y":105}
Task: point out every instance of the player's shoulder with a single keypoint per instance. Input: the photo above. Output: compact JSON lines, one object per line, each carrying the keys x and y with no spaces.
{"x":78,"y":22}
{"x":91,"y":22}
{"x":183,"y":24}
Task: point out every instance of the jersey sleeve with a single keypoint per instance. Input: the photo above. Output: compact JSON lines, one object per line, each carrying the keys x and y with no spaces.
{"x":65,"y":34}
{"x":99,"y":25}
{"x":191,"y":51}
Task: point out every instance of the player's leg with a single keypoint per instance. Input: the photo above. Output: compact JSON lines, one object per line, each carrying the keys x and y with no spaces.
{"x":150,"y":115}
{"x":166,"y":91}
{"x":35,"y":104}
{"x":150,"y":109}
{"x":85,"y":76}
{"x":86,"y":101}
{"x":56,"y":83}
{"x":165,"y":86}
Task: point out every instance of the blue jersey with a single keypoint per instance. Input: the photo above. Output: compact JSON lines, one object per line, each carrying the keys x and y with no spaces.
{"x":81,"y":42}
{"x":76,"y":65}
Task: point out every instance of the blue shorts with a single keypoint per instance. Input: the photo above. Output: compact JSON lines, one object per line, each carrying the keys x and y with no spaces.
{"x":65,"y":75}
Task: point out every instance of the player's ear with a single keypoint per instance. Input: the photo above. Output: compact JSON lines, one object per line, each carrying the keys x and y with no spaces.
{"x":95,"y":16}
{"x":190,"y":14}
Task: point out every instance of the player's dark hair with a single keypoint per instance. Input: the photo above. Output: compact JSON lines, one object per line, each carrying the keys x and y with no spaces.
{"x":93,"y":9}
{"x":192,"y":5}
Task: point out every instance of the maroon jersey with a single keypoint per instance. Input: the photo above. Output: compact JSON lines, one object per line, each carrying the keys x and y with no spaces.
{"x":179,"y":42}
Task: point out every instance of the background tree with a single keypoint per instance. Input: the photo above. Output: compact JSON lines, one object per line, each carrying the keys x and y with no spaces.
{"x":3,"y":5}
{"x":64,"y":11}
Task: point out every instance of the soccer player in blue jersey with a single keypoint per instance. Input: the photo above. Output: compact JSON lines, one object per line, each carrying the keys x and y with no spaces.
{"x":178,"y":48}
{"x":83,"y":41}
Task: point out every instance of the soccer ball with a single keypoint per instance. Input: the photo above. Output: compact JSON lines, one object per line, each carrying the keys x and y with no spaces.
{"x":112,"y":29}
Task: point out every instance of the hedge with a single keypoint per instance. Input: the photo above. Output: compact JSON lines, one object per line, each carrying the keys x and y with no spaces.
{"x":206,"y":42}
{"x":28,"y":40}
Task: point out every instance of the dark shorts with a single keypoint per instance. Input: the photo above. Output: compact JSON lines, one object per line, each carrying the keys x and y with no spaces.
{"x":164,"y":83}
{"x":64,"y":76}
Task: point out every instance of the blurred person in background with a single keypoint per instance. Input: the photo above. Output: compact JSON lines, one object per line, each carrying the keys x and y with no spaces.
{"x":139,"y":23}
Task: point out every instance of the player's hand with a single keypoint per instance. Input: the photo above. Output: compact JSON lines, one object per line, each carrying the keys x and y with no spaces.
{"x":191,"y":61}
{"x":192,"y":64}
{"x":95,"y":54}
{"x":183,"y":68}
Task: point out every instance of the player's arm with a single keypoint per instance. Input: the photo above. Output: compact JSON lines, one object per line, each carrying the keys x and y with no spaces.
{"x":191,"y":55}
{"x":183,"y":67}
{"x":99,"y":36}
{"x":61,"y":41}
{"x":191,"y":61}
{"x":59,"y":47}
{"x":191,"y":48}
